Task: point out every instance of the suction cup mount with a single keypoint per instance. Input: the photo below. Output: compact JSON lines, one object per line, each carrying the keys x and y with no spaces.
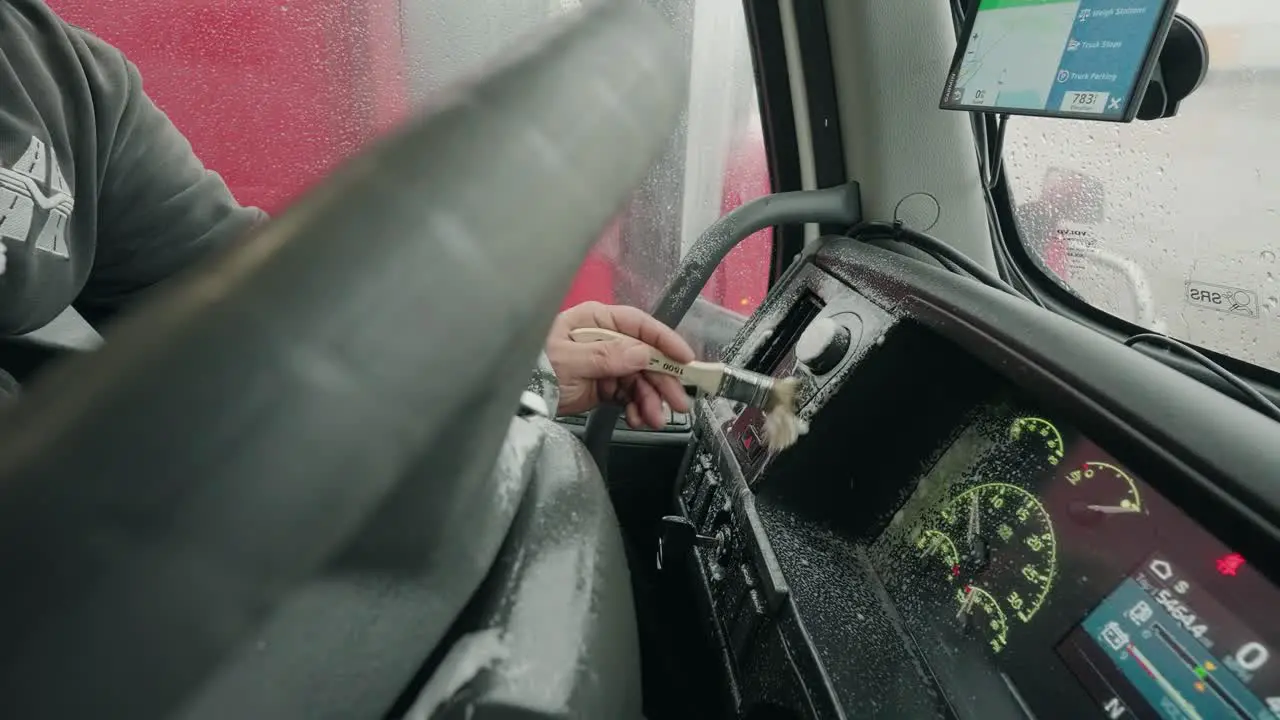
{"x":1183,"y":64}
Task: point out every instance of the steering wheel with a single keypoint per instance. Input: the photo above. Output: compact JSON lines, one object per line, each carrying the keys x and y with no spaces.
{"x":159,"y":497}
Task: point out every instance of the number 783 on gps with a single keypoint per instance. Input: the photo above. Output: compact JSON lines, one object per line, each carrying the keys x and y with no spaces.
{"x":1085,"y":102}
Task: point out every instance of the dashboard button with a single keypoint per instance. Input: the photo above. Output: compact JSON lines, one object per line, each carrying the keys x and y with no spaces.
{"x":822,"y":345}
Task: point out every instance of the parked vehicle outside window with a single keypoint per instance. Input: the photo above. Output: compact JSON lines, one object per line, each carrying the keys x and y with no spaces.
{"x":274,"y":93}
{"x":1173,"y":225}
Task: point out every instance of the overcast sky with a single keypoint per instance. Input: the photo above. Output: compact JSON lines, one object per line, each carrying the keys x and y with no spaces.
{"x":1213,"y":12}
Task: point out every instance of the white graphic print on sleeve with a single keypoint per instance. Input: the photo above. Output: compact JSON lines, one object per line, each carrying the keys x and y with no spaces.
{"x":35,"y":201}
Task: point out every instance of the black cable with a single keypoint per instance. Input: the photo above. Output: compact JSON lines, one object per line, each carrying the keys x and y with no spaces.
{"x":989,"y":142}
{"x":1251,"y":395}
{"x":995,"y":152}
{"x":990,"y":147}
{"x":992,"y":167}
{"x":887,"y":244}
{"x":936,"y":248}
{"x":1009,"y":266}
{"x":949,"y":265}
{"x":1004,"y":264}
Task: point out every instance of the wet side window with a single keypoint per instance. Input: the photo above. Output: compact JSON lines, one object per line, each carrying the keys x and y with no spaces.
{"x":1173,"y":225}
{"x":274,"y":93}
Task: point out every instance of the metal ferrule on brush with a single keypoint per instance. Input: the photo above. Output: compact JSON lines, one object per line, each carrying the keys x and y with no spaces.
{"x":746,"y":387}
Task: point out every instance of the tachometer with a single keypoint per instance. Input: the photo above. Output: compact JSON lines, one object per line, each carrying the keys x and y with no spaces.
{"x":1004,"y":543}
{"x":1100,"y":490}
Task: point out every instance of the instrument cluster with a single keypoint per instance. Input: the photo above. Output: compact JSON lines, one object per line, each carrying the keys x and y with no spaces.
{"x":1028,"y":541}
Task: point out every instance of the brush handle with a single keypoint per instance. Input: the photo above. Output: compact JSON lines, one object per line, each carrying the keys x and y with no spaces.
{"x":704,"y":375}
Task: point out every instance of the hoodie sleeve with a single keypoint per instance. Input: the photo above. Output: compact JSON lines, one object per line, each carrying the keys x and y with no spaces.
{"x":160,"y":209}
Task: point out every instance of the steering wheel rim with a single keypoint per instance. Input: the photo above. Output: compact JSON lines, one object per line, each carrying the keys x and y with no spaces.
{"x":240,"y":427}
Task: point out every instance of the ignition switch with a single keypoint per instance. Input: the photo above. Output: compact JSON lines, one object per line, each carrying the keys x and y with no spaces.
{"x":822,"y":345}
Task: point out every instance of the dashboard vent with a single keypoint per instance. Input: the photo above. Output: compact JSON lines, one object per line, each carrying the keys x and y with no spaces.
{"x":770,"y":355}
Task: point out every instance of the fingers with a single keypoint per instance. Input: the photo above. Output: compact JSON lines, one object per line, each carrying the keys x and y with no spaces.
{"x":618,"y":364}
{"x":645,"y":408}
{"x":599,"y":360}
{"x":633,"y":416}
{"x":670,"y":390}
{"x":641,"y":400}
{"x":628,"y":321}
{"x":649,"y":403}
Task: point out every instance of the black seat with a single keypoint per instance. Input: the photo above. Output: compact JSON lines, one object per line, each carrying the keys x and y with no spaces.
{"x":315,"y":416}
{"x":550,"y":633}
{"x":555,"y":622}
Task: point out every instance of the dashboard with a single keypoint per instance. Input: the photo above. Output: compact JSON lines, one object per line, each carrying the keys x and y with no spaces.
{"x":996,"y":513}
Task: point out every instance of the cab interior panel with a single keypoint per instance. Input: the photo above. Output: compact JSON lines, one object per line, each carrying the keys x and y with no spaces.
{"x":1016,"y":256}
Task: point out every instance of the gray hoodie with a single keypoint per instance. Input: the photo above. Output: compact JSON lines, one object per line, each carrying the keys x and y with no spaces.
{"x":101,"y":196}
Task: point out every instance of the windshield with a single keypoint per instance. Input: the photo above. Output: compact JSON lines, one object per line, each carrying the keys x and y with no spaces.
{"x":274,"y":93}
{"x":1173,"y":225}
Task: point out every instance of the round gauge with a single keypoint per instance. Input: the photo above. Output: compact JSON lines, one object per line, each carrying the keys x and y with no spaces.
{"x":1041,"y":432}
{"x":1004,"y":544}
{"x":934,"y":544}
{"x":1100,"y":490}
{"x":979,"y":612}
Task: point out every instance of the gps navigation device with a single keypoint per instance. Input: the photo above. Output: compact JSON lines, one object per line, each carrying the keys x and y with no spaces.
{"x":1085,"y":59}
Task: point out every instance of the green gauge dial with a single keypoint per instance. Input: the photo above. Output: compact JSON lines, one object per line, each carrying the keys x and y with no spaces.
{"x":935,"y":544}
{"x":1004,"y":544}
{"x":1041,"y":432}
{"x":979,"y":612}
{"x":1099,"y":490}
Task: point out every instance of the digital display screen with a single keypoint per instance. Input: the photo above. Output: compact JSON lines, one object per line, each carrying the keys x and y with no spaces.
{"x":1088,"y":59}
{"x":1160,"y":646}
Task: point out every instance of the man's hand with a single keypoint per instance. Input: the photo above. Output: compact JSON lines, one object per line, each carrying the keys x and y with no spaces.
{"x":610,"y":371}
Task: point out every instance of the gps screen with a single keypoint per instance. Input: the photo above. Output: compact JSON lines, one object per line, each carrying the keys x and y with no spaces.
{"x":1087,"y":59}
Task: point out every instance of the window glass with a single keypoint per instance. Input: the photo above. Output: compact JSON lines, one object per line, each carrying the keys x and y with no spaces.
{"x":1174,"y":225}
{"x":274,"y":93}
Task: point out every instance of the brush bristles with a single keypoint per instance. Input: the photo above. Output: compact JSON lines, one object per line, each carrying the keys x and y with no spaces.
{"x":750,"y":388}
{"x":782,"y":429}
{"x":782,"y":426}
{"x":783,"y":395}
{"x":777,"y":398}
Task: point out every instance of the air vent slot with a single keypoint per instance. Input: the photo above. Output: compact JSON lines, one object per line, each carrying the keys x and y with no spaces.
{"x":769,"y":356}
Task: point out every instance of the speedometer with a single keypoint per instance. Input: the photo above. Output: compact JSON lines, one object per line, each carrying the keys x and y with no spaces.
{"x":1004,"y":546}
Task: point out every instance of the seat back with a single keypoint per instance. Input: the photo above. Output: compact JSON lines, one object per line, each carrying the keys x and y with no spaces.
{"x":160,"y":497}
{"x":552,"y":632}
